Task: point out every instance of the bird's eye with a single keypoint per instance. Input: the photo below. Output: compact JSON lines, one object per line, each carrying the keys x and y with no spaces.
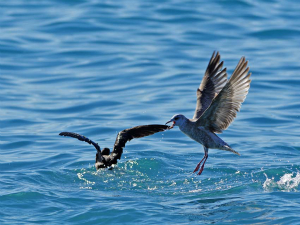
{"x":176,"y":118}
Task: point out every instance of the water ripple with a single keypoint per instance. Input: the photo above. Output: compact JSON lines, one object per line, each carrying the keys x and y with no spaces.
{"x":97,"y":68}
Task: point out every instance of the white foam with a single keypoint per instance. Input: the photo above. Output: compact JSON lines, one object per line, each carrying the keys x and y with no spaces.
{"x":286,"y":183}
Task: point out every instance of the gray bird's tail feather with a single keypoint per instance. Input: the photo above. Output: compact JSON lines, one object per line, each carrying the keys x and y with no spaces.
{"x":228,"y":148}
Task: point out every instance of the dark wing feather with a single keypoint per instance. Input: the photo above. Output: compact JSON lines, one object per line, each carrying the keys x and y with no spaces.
{"x":212,"y":83}
{"x":134,"y":132}
{"x":100,"y":158}
{"x":225,"y":106}
{"x":81,"y":138}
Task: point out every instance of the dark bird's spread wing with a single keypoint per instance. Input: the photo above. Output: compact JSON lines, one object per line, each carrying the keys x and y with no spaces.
{"x":80,"y":138}
{"x":105,"y":159}
{"x":85,"y":139}
{"x":131,"y":133}
{"x":225,"y":106}
{"x":212,"y":83}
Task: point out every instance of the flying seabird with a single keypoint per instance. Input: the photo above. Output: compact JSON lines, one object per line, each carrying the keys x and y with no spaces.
{"x":106,"y":159}
{"x":218,"y":101}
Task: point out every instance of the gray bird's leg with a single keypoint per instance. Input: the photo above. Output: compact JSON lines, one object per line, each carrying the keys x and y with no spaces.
{"x":204,"y":158}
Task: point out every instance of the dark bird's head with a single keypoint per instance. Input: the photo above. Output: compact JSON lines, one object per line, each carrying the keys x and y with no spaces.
{"x":178,"y":120}
{"x":105,"y":151}
{"x":100,"y":156}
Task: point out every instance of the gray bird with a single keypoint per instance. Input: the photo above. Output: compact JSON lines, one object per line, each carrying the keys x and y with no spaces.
{"x":218,"y":101}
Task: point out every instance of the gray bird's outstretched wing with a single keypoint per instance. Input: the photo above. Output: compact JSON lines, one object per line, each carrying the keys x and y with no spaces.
{"x":212,"y":83}
{"x":225,"y":106}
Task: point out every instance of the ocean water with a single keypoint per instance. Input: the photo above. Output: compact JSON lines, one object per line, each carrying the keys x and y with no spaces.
{"x":97,"y":67}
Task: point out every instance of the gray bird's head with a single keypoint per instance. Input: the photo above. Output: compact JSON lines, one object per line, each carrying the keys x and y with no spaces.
{"x":178,"y":120}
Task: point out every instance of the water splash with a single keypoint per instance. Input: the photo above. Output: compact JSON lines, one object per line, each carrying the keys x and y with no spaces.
{"x":286,"y":183}
{"x":87,"y":184}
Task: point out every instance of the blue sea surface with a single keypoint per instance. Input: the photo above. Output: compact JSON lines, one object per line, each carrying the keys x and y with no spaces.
{"x":98,"y":67}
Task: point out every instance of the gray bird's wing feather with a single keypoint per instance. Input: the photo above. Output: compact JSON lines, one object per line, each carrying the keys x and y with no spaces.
{"x":212,"y":83}
{"x":227,"y":103}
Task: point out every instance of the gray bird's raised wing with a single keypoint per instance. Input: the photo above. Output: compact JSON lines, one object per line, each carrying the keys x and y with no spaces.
{"x":212,"y":83}
{"x":225,"y":106}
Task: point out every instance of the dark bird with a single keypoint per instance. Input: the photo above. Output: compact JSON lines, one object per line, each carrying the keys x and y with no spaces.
{"x":218,"y":101}
{"x":105,"y":158}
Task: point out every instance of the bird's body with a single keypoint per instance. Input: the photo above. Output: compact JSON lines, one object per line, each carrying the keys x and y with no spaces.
{"x":203,"y":136}
{"x":105,"y":158}
{"x":218,"y":101}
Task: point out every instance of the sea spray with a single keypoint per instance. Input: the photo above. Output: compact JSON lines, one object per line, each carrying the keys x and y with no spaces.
{"x":287,"y":182}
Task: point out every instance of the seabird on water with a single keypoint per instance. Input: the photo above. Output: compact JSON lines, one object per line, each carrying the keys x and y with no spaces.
{"x":218,"y":101}
{"x":106,"y":159}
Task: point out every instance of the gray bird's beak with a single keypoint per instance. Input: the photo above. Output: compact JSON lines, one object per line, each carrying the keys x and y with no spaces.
{"x":170,"y":127}
{"x":168,"y":122}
